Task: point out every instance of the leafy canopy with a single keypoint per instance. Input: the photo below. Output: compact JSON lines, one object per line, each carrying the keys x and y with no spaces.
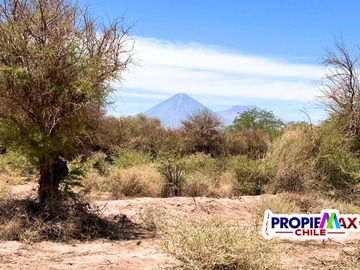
{"x":56,"y":68}
{"x":252,"y":120}
{"x":56,"y":65}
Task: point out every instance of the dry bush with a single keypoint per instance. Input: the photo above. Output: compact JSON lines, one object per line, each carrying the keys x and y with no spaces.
{"x":215,"y":245}
{"x":197,"y":184}
{"x":254,"y":144}
{"x":153,"y":217}
{"x":225,"y":186}
{"x":138,"y":133}
{"x":14,"y":170}
{"x":278,"y":204}
{"x":137,"y":181}
{"x":323,"y":159}
{"x":201,"y":175}
{"x":94,"y":185}
{"x":196,"y":175}
{"x":234,"y":144}
{"x":172,"y":168}
{"x":29,"y":221}
{"x":203,"y":132}
{"x":294,"y":157}
{"x":328,"y":203}
{"x":204,"y":184}
{"x":349,"y":258}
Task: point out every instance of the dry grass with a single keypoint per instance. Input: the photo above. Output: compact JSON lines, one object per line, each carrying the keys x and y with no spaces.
{"x":199,"y":183}
{"x":153,"y":217}
{"x":4,"y":188}
{"x":216,"y":245}
{"x":293,"y":203}
{"x":350,"y":259}
{"x":137,"y":181}
{"x":278,"y":204}
{"x":343,"y":207}
{"x":294,"y":157}
{"x":27,"y":221}
{"x":94,"y":184}
{"x":225,"y":185}
{"x":11,"y":178}
{"x":7,"y":180}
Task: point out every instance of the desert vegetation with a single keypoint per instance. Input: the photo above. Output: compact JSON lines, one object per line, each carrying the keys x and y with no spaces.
{"x":57,"y":64}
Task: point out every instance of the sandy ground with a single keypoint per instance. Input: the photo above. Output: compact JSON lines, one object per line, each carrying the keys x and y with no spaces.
{"x":145,"y":253}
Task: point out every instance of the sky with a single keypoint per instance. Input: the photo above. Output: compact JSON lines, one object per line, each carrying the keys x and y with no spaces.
{"x":265,"y":53}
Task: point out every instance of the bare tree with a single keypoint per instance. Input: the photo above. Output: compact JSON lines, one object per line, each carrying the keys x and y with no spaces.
{"x":341,"y":86}
{"x":203,"y":131}
{"x":56,"y":66}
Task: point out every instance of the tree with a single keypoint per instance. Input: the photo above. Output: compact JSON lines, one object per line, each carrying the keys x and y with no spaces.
{"x":56,"y":66}
{"x":203,"y":131}
{"x":254,"y":120}
{"x":341,"y":87}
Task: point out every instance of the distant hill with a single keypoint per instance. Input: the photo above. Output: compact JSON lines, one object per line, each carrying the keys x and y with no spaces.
{"x":175,"y":109}
{"x":229,"y":115}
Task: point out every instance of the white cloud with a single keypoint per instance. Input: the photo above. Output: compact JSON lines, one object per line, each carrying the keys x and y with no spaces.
{"x":167,"y":68}
{"x":140,"y":95}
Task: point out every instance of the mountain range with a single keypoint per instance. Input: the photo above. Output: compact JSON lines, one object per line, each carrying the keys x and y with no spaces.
{"x":176,"y":109}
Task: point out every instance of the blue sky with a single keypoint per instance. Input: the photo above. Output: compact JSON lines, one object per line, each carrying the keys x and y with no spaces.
{"x":223,"y":53}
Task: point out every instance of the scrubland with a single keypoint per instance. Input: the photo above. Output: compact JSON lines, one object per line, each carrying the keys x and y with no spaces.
{"x":156,"y":191}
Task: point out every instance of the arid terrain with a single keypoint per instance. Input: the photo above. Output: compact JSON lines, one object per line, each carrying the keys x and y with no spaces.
{"x":144,"y":251}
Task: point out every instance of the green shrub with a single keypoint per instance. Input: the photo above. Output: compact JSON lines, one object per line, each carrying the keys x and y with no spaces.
{"x":194,"y":175}
{"x":254,"y":119}
{"x":97,"y":161}
{"x":172,"y":167}
{"x":251,"y":176}
{"x":17,"y":163}
{"x":204,"y":163}
{"x":128,"y":158}
{"x":338,"y":162}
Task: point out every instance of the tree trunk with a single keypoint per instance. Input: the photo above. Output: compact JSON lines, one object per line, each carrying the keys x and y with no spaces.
{"x":52,"y":171}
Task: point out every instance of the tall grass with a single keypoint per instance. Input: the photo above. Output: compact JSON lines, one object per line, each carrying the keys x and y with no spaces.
{"x":217,"y":245}
{"x":294,"y":157}
{"x":136,"y":181}
{"x":251,"y":176}
{"x":339,"y":162}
